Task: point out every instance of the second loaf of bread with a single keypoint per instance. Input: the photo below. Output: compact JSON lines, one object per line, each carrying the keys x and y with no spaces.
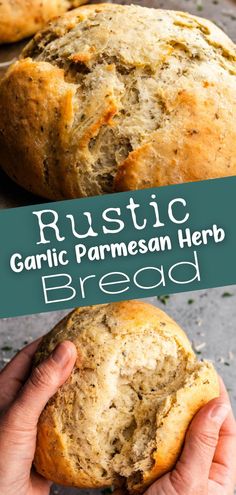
{"x":22,"y":18}
{"x":117,"y":97}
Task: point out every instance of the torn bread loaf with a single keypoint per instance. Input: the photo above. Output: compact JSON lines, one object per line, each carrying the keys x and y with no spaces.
{"x":121,"y":417}
{"x":22,"y":18}
{"x":119,"y":97}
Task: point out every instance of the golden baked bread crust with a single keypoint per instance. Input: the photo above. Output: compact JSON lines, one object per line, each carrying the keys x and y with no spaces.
{"x":104,"y":336}
{"x":22,"y":18}
{"x":149,"y":103}
{"x":173,"y":427}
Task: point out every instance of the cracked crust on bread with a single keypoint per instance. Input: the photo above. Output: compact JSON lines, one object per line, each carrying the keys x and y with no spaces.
{"x":112,"y":98}
{"x":121,"y":417}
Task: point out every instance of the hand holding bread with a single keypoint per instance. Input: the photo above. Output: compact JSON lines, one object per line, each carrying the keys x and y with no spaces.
{"x":23,"y":395}
{"x":207,"y":463}
{"x":122,"y":416}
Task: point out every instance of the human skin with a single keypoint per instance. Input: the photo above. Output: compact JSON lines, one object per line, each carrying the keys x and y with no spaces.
{"x":207,"y":465}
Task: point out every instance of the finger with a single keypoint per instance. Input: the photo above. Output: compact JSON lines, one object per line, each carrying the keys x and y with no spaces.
{"x":223,"y":391}
{"x":13,"y":376}
{"x":18,"y":426}
{"x":225,"y":397}
{"x":41,"y":386}
{"x":38,"y":483}
{"x":223,"y":469}
{"x":200,"y":444}
{"x":164,"y":486}
{"x":229,"y":424}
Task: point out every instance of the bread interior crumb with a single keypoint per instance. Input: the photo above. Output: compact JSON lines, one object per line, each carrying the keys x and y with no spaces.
{"x":118,"y":399}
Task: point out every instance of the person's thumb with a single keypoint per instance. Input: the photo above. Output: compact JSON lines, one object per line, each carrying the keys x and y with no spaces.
{"x":42,"y":384}
{"x":202,"y":437}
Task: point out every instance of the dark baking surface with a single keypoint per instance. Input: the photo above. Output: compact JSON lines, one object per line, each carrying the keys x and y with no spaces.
{"x":222,"y":12}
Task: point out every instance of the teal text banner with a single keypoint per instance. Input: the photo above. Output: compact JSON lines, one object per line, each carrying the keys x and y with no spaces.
{"x":129,"y":245}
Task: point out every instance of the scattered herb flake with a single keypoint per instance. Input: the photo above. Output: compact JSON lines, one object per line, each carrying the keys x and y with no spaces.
{"x":190,"y":301}
{"x":199,"y":5}
{"x":6,"y":348}
{"x":227,"y":294}
{"x":198,"y":322}
{"x":163,"y":299}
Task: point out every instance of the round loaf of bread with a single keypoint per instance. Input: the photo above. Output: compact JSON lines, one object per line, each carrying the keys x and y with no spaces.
{"x":119,"y":97}
{"x":121,"y":417}
{"x":22,"y":18}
